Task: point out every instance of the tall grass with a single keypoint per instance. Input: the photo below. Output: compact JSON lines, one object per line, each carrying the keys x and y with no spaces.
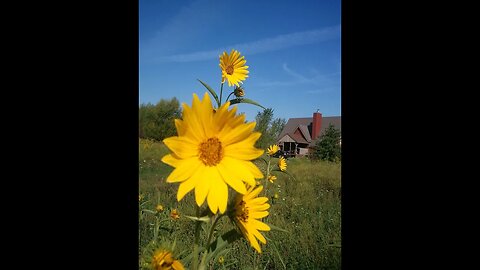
{"x":308,"y":207}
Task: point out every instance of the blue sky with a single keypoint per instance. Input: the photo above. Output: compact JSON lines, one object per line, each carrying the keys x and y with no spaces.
{"x":292,"y":49}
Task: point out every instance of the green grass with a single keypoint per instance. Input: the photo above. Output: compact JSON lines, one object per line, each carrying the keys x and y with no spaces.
{"x":308,"y":207}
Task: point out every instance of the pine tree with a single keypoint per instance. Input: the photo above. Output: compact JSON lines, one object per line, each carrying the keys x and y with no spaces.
{"x":328,"y":146}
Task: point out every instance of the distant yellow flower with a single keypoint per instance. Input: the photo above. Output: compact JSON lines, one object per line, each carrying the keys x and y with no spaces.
{"x":233,"y":68}
{"x":221,"y":260}
{"x":159,"y":208}
{"x":174,"y":214}
{"x":282,"y":164}
{"x":239,"y":91}
{"x":272,"y":149}
{"x":276,"y":196}
{"x":214,"y":150}
{"x":163,"y":260}
{"x":247,"y":210}
{"x":272,"y":178}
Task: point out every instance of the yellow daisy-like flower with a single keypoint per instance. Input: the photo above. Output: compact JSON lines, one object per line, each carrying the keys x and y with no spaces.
{"x":272,"y":149}
{"x":233,"y":68}
{"x":221,"y":260}
{"x":272,"y":178}
{"x":174,"y":214}
{"x":159,"y":208}
{"x":247,"y":210}
{"x":282,"y":164}
{"x":213,"y":150}
{"x":163,"y":260}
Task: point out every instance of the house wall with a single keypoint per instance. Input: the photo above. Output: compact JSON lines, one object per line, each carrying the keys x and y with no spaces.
{"x":303,"y":151}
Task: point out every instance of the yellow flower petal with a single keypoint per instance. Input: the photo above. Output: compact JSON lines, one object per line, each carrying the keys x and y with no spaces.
{"x":218,"y":195}
{"x":182,"y":147}
{"x":259,"y":214}
{"x":239,"y":170}
{"x":171,"y":160}
{"x":184,"y":170}
{"x":260,"y":225}
{"x":231,"y":177}
{"x":260,"y":237}
{"x":186,"y":187}
{"x":253,"y":242}
{"x":252,"y":168}
{"x":252,"y":193}
{"x":202,"y":187}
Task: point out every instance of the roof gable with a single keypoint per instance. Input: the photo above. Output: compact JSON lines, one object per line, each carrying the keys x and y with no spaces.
{"x":304,"y":125}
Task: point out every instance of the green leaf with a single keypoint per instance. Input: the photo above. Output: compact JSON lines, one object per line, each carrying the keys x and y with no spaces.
{"x":189,"y":257}
{"x":221,"y":242}
{"x":211,"y":92}
{"x":273,"y":227}
{"x":279,"y":256}
{"x":204,"y":219}
{"x":245,"y":100}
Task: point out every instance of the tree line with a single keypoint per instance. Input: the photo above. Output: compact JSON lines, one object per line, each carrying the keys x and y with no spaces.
{"x":156,"y":122}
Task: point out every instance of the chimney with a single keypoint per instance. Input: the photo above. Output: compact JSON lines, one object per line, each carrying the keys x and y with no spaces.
{"x":316,"y":124}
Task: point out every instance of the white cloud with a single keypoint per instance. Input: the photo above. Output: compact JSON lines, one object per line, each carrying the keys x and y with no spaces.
{"x":262,"y":45}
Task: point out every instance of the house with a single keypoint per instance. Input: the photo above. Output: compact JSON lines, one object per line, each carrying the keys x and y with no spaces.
{"x":300,"y":135}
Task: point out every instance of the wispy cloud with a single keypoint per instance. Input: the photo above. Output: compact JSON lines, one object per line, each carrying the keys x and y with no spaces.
{"x":322,"y":83}
{"x":262,"y":45}
{"x":191,"y":22}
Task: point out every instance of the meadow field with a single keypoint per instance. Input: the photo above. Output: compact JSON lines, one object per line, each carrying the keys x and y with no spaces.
{"x":307,"y":207}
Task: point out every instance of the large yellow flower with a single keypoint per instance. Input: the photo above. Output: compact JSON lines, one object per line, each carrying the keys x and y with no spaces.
{"x":233,"y":68}
{"x":282,"y":164}
{"x":247,"y":210}
{"x":213,"y":149}
{"x":163,"y":260}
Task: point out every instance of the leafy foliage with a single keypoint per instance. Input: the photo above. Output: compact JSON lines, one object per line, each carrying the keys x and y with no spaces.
{"x":269,"y":128}
{"x":328,"y":146}
{"x":156,"y":122}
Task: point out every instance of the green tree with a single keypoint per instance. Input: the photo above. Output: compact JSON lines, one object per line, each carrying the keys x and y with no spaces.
{"x":157,"y":121}
{"x":328,"y":146}
{"x":269,"y":128}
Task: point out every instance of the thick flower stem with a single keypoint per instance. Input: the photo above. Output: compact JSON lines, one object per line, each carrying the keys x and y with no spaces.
{"x":221,"y":90}
{"x":228,"y":96}
{"x":197,"y":236}
{"x":268,"y":175}
{"x":207,"y":244}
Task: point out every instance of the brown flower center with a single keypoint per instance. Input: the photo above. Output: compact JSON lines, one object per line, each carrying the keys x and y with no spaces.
{"x":229,"y":70}
{"x":242,"y":212}
{"x":211,"y":152}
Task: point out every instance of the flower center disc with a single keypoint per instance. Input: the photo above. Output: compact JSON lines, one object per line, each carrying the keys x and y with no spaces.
{"x":229,"y":70}
{"x":211,"y":152}
{"x":242,"y":212}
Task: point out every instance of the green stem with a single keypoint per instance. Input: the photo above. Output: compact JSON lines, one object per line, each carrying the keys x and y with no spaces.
{"x":197,"y":236}
{"x":207,"y":244}
{"x":221,"y":90}
{"x":268,"y":174}
{"x":228,"y":96}
{"x":210,"y":234}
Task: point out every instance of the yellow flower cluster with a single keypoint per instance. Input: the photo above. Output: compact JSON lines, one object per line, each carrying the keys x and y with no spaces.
{"x":214,"y":149}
